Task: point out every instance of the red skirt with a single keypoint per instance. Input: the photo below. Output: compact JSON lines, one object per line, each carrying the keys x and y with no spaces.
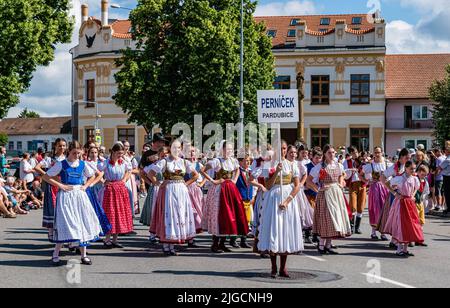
{"x":116,"y":204}
{"x":411,"y":228}
{"x":232,"y":219}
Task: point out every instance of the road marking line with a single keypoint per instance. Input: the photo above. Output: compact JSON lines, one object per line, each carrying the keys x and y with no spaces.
{"x":315,"y":258}
{"x":399,"y":284}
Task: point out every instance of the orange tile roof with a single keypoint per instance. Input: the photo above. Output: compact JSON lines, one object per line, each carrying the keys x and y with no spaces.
{"x":410,"y":76}
{"x":121,"y":29}
{"x":283,"y":24}
{"x":39,"y":126}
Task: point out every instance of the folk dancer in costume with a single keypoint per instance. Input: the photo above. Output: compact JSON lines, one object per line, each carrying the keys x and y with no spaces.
{"x":152,"y":195}
{"x":75,"y":219}
{"x":422,"y":195}
{"x":281,"y":225}
{"x":246,"y":191}
{"x":224,"y":205}
{"x":392,"y":171}
{"x":258,"y":180}
{"x":403,"y":223}
{"x":173,"y":219}
{"x":94,"y":189}
{"x":50,"y":192}
{"x":115,"y":195}
{"x":317,"y":157}
{"x":195,"y":191}
{"x":378,"y":193}
{"x":131,"y":183}
{"x":331,"y":220}
{"x":306,"y":211}
{"x":357,"y":187}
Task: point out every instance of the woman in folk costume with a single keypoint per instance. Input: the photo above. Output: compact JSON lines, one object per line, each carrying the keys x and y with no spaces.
{"x":403,"y":222}
{"x":94,"y":189}
{"x":422,"y":195}
{"x":225,"y":208}
{"x":259,"y":181}
{"x":115,"y":196}
{"x":378,"y":193}
{"x":75,"y":219}
{"x":331,"y":219}
{"x":152,"y":192}
{"x":306,"y":211}
{"x":391,"y":172}
{"x":173,"y":219}
{"x":195,"y":189}
{"x":281,"y":226}
{"x":50,"y":192}
{"x":131,"y":183}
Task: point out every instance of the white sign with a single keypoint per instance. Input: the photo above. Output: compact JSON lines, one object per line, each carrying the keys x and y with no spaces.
{"x":278,"y":106}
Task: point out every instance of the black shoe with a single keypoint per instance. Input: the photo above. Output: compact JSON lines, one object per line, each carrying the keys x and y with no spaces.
{"x":108,"y":245}
{"x":321,"y":251}
{"x":234,"y":244}
{"x":193,"y":245}
{"x":117,"y":245}
{"x":86,"y":261}
{"x":264,"y":256}
{"x":56,"y":261}
{"x":411,"y":245}
{"x":375,"y":237}
{"x":245,"y":245}
{"x":224,"y":248}
{"x":409,"y":254}
{"x":315,"y":238}
{"x":421,"y":245}
{"x":401,"y":254}
{"x":173,"y":253}
{"x":392,"y":245}
{"x":358,"y":225}
{"x":308,"y":240}
{"x":330,"y":251}
{"x":216,"y":249}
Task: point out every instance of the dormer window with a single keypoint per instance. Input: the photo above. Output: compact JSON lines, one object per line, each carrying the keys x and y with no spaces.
{"x":294,"y":22}
{"x":323,"y":30}
{"x":325,"y":21}
{"x":272,"y":33}
{"x":357,"y":20}
{"x":291,"y":33}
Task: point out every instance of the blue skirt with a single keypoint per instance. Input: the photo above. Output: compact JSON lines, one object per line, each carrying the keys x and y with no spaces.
{"x":103,"y":219}
{"x":146,"y":215}
{"x":49,"y":208}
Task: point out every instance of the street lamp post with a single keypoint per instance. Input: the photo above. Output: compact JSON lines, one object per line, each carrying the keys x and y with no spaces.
{"x":97,"y":114}
{"x":117,"y":6}
{"x":241,"y":107}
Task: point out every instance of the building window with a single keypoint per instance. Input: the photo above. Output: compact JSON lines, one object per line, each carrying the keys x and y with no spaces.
{"x":320,"y":39}
{"x":320,"y":137}
{"x":19,"y":145}
{"x":90,"y":92}
{"x":90,"y":135}
{"x":360,"y":138}
{"x":320,"y":90}
{"x":282,"y":83}
{"x":127,"y":43}
{"x":360,"y":85}
{"x":127,"y":134}
{"x":294,"y":22}
{"x":413,"y":143}
{"x":272,"y":33}
{"x":11,"y":146}
{"x":324,"y":21}
{"x":30,"y":146}
{"x":357,"y":20}
{"x":421,"y":113}
{"x":291,"y":33}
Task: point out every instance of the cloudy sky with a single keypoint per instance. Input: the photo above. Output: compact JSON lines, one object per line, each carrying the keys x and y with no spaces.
{"x":414,"y":26}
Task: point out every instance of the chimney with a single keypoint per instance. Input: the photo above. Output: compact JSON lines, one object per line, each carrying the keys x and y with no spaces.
{"x":84,"y":12}
{"x":105,"y":6}
{"x":302,"y":28}
{"x":340,"y":38}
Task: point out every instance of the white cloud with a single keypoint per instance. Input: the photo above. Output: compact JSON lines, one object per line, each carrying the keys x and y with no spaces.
{"x":428,"y":35}
{"x":48,"y":106}
{"x":294,"y":7}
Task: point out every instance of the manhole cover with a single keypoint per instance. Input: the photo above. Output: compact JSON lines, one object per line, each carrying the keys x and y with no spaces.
{"x":298,"y":276}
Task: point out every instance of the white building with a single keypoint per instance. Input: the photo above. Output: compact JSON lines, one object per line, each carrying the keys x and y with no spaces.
{"x":27,"y":135}
{"x":94,"y":85}
{"x":341,"y":58}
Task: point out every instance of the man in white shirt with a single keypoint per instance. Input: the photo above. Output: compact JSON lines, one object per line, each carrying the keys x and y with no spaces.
{"x":439,"y":180}
{"x":356,"y":186}
{"x":26,"y":171}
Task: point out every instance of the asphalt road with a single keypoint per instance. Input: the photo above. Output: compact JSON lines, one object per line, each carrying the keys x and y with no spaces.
{"x":25,"y":262}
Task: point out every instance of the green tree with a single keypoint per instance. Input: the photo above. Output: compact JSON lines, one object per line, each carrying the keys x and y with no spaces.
{"x":3,"y":139}
{"x":188,"y":62}
{"x":25,"y":114}
{"x":440,"y":94}
{"x":29,"y":32}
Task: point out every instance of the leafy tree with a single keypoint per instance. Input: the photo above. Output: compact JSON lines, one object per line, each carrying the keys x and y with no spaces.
{"x":25,"y":114}
{"x":187,"y":62}
{"x":29,"y":32}
{"x":3,"y":139}
{"x":440,"y":94}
